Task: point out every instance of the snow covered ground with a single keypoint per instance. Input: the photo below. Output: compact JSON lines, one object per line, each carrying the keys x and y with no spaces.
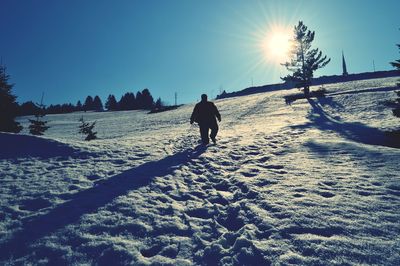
{"x":313,"y":183}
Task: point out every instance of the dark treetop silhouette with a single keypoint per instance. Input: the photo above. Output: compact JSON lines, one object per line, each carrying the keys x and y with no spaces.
{"x":205,"y":114}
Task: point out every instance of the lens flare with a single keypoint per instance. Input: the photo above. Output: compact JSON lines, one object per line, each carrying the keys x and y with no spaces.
{"x":276,"y":45}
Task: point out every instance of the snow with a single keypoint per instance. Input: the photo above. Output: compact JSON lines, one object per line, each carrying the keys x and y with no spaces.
{"x":313,"y":183}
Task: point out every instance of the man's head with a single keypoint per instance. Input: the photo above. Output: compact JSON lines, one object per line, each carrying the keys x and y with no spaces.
{"x":204,"y":97}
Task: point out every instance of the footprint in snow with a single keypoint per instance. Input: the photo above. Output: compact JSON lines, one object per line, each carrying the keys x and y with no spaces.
{"x":118,"y":161}
{"x":222,"y":186}
{"x":73,"y":187}
{"x":263,"y":159}
{"x":151,"y":252}
{"x":253,"y":152}
{"x":93,"y":177}
{"x":251,"y":172}
{"x":202,"y":213}
{"x":271,"y":166}
{"x":364,"y":193}
{"x":266,"y":182}
{"x":325,"y":194}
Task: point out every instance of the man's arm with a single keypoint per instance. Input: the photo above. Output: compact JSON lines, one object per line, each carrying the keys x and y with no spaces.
{"x":194,"y":114}
{"x":217,"y":114}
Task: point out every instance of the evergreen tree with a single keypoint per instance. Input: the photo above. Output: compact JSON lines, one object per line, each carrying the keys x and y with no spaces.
{"x":139,"y":100}
{"x":88,"y":105}
{"x":127,"y":102}
{"x":111,"y":103}
{"x":67,"y":108}
{"x":8,"y":106}
{"x":396,"y":63}
{"x":147,"y":99}
{"x":37,"y":126}
{"x":158,"y":105}
{"x":97,"y":104}
{"x":87,"y":129}
{"x":79,"y":106}
{"x":28,"y":108}
{"x":396,"y":110}
{"x":304,"y":60}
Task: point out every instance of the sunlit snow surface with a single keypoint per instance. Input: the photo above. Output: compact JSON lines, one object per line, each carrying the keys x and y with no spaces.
{"x":311,"y":183}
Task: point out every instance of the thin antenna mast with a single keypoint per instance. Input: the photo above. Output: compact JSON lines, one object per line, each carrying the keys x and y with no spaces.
{"x":176,"y":99}
{"x":41,"y":100}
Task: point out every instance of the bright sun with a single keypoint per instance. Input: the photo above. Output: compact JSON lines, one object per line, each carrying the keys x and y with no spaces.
{"x":276,"y":45}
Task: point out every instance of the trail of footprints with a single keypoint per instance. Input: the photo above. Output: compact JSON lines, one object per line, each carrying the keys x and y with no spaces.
{"x":218,"y":194}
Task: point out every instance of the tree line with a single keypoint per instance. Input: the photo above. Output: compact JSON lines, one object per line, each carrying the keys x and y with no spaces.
{"x":143,"y":100}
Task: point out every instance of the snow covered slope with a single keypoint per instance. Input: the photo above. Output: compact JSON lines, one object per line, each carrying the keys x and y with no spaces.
{"x":315,"y":183}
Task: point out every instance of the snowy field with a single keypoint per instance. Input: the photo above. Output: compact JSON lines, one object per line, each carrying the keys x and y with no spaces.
{"x":312,"y":183}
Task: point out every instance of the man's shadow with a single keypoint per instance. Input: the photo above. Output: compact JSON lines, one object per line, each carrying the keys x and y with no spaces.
{"x":90,"y":200}
{"x":354,"y":131}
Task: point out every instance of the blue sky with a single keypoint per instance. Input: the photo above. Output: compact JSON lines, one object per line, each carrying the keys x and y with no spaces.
{"x":71,"y":49}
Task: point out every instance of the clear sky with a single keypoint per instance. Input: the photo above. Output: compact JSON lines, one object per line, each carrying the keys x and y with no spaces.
{"x":71,"y":49}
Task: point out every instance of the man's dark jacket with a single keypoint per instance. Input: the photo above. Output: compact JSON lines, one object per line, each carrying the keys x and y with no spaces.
{"x":204,"y":113}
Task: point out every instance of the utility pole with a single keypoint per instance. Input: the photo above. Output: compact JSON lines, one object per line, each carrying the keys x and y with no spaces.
{"x":176,"y":99}
{"x":373,"y":64}
{"x":41,"y":100}
{"x":252,"y":84}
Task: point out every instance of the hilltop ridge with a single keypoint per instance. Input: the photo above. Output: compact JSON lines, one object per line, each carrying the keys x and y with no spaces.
{"x":315,"y":81}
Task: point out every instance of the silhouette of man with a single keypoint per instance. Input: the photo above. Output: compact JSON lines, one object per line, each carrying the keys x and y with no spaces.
{"x":205,"y":114}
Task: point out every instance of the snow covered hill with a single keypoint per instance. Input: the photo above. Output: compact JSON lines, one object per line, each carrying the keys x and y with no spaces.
{"x":315,"y":182}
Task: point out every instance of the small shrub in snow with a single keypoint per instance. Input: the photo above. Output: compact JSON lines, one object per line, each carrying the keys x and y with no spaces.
{"x":37,"y":126}
{"x":87,"y":129}
{"x":289,"y":99}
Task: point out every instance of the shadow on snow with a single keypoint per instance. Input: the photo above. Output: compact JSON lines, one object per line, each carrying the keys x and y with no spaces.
{"x":21,"y":146}
{"x":357,"y":132}
{"x":90,"y":200}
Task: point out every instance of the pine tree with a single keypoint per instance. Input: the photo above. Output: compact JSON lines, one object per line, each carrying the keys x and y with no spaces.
{"x":304,"y":60}
{"x":97,"y":104}
{"x":38,"y":127}
{"x":139,"y":100}
{"x":28,"y":108}
{"x":396,"y":110}
{"x":158,"y":105}
{"x":88,"y":105}
{"x":396,"y":63}
{"x":111,"y":103}
{"x":147,"y":100}
{"x":78,"y":106}
{"x":8,"y":106}
{"x":128,"y":102}
{"x":87,"y":129}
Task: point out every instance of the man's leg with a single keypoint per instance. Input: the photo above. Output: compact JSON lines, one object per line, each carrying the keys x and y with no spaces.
{"x":214,"y":131}
{"x":204,"y":134}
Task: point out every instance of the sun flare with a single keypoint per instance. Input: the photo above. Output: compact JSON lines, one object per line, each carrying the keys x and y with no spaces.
{"x":276,"y":45}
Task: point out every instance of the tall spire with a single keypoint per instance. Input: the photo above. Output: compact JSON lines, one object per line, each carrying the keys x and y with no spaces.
{"x":344,"y":65}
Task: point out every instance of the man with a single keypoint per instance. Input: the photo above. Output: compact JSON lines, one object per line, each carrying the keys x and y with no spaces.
{"x":204,"y":113}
